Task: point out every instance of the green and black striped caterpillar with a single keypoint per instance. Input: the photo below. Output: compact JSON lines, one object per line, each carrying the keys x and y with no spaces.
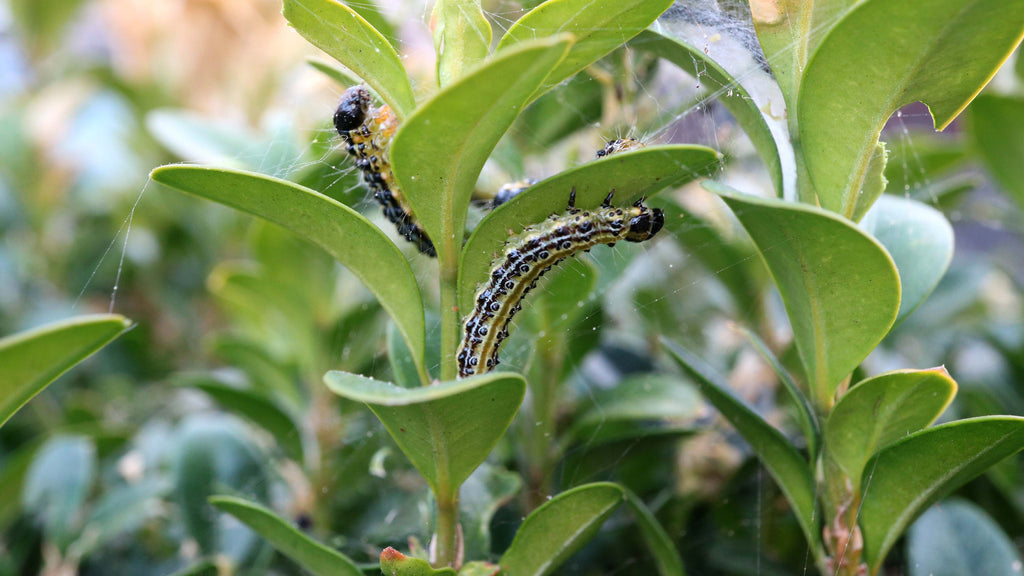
{"x":367,"y":132}
{"x":533,"y":252}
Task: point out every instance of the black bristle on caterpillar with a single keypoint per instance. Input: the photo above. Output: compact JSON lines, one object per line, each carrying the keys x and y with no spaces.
{"x":367,"y":133}
{"x":533,"y":252}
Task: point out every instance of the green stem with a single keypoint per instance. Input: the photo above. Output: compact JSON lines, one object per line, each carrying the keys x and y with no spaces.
{"x":447,"y":529}
{"x":450,"y":317}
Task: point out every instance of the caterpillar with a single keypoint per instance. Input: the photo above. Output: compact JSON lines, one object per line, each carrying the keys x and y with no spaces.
{"x":533,"y":252}
{"x":619,"y":145}
{"x":512,"y":189}
{"x":367,"y":133}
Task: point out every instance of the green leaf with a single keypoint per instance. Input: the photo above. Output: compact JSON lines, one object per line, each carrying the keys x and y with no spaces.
{"x":805,"y":412}
{"x":638,"y":406}
{"x":465,"y":121}
{"x":370,"y":12}
{"x":462,"y":37}
{"x":997,"y":123}
{"x":306,"y":552}
{"x":660,"y":543}
{"x":789,"y":32}
{"x":13,"y":472}
{"x":447,"y":429}
{"x":348,"y":38}
{"x":784,"y":463}
{"x":753,"y":110}
{"x":956,"y":538}
{"x":558,"y":114}
{"x":841,"y":295}
{"x":257,"y":408}
{"x":881,"y":410}
{"x":920,"y":241}
{"x":942,"y":53}
{"x":30,"y":360}
{"x":394,"y":563}
{"x":599,"y":27}
{"x":341,"y":231}
{"x":908,"y":476}
{"x":567,"y":290}
{"x":632,"y":175}
{"x":57,"y":485}
{"x":560,"y":527}
{"x":874,"y":182}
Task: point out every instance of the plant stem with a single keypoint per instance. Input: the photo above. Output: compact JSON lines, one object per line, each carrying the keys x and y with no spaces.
{"x":447,"y":529}
{"x":450,"y":318}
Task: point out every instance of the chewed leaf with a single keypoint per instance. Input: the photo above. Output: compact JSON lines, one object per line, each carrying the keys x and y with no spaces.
{"x":942,"y":53}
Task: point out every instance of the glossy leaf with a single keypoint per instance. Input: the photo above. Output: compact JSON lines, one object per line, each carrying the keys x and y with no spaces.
{"x":920,"y":241}
{"x":560,"y":527}
{"x":447,"y":429}
{"x":956,"y":537}
{"x":942,"y":53}
{"x":996,"y":125}
{"x":348,"y":38}
{"x":840,"y":287}
{"x":599,"y":27}
{"x":286,"y":539}
{"x":341,"y":231}
{"x":259,"y":410}
{"x":462,"y":37}
{"x":658,"y":541}
{"x":632,"y":175}
{"x":883,"y":409}
{"x":30,"y":360}
{"x":760,"y":110}
{"x":905,"y":478}
{"x":779,"y":456}
{"x":874,"y":182}
{"x":465,"y":121}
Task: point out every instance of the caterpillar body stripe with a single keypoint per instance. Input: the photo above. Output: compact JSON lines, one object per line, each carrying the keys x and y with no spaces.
{"x":529,"y":255}
{"x":367,"y":133}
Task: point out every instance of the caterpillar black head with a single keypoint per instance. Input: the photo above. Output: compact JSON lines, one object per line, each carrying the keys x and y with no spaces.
{"x":352,"y":109}
{"x":645,"y":223}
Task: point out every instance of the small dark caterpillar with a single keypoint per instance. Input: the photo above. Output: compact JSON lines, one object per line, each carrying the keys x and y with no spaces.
{"x":367,"y":132}
{"x":512,"y":189}
{"x":532,"y":253}
{"x":620,"y":145}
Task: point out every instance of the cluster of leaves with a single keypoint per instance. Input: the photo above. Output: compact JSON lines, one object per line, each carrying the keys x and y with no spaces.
{"x":855,"y":459}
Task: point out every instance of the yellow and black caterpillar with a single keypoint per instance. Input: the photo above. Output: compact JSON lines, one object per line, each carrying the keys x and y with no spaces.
{"x":533,"y":252}
{"x":367,"y":133}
